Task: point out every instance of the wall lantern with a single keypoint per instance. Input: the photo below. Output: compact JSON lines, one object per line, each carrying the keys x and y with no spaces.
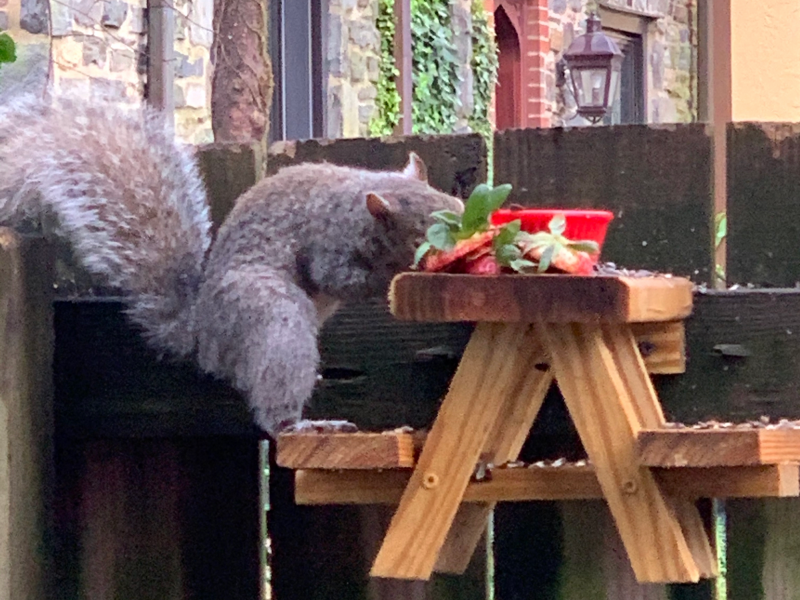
{"x":594,"y":61}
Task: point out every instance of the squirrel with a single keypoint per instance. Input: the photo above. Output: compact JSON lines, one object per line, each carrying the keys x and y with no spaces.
{"x":248,"y":305}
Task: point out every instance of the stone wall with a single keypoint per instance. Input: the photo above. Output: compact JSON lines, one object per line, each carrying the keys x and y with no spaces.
{"x":100,"y":47}
{"x":353,"y":65}
{"x":670,"y":54}
{"x":352,"y":60}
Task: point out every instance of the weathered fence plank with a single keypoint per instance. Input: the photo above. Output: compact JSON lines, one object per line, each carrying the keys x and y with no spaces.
{"x":656,"y":180}
{"x":763,"y":234}
{"x":456,"y":163}
{"x":763,"y":211}
{"x":26,"y":420}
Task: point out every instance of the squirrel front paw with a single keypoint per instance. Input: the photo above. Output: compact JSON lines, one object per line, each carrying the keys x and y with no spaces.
{"x":309,"y":426}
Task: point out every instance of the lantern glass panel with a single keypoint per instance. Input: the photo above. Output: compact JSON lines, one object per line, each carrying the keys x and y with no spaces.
{"x":590,"y":85}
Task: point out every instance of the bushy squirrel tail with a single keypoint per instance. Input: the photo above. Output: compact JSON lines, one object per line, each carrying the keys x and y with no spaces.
{"x":123,"y":191}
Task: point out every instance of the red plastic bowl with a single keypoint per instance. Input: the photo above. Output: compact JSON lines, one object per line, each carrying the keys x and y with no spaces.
{"x":581,"y":224}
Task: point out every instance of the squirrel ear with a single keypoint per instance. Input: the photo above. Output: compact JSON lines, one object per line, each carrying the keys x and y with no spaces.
{"x":416,"y":169}
{"x":377,"y":206}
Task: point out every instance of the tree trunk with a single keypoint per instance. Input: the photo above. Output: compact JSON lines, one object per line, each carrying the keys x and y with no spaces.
{"x":242,"y":88}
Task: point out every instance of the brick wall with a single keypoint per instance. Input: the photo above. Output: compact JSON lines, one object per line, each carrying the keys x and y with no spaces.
{"x":535,"y":47}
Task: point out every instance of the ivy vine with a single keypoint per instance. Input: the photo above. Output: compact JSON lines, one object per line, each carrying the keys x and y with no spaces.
{"x":434,"y":69}
{"x":485,"y":62}
{"x":8,"y":51}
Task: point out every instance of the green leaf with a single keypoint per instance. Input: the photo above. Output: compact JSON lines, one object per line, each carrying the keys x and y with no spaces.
{"x":520,"y":264}
{"x":8,"y":52}
{"x":508,"y":233}
{"x":498,"y":195}
{"x":448,"y":217}
{"x":421,"y":252}
{"x":589,"y":246}
{"x":507,"y":253}
{"x":476,"y":209}
{"x":440,"y":236}
{"x":720,"y":228}
{"x":546,"y":259}
{"x":558,"y":224}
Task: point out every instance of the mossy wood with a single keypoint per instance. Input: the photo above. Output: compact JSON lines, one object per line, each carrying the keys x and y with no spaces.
{"x":26,"y":415}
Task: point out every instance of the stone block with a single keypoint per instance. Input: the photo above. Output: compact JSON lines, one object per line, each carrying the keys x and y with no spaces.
{"x":358,"y":65}
{"x":196,"y":95}
{"x":201,"y":20}
{"x":365,"y":113}
{"x":657,"y":64}
{"x":367,"y":93}
{"x":114,"y":13}
{"x":334,"y":120}
{"x":121,"y":60}
{"x":365,"y":35}
{"x":95,"y":50}
{"x":180,"y":27}
{"x":33,"y":16}
{"x":138,"y":22}
{"x":69,"y":51}
{"x":180,"y":98}
{"x":3,"y":3}
{"x":88,"y":12}
{"x":3,"y":20}
{"x":558,"y":7}
{"x":337,"y":56}
{"x":188,"y":68}
{"x":62,"y":17}
{"x":373,"y":68}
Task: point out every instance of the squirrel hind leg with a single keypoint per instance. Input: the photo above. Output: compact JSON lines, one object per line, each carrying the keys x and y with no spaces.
{"x":259,"y":331}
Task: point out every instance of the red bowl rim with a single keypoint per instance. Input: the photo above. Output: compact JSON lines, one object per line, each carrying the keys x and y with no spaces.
{"x":567,"y":212}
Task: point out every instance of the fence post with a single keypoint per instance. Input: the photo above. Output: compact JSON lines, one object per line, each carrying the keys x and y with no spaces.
{"x":26,"y":415}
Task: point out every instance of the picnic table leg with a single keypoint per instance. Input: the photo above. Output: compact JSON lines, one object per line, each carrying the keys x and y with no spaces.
{"x":517,"y":414}
{"x":610,"y":398}
{"x":495,"y":365}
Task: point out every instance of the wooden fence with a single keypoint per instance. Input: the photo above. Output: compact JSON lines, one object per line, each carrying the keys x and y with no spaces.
{"x":160,"y":481}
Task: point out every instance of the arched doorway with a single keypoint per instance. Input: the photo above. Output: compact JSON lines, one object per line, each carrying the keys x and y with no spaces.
{"x":507,"y":91}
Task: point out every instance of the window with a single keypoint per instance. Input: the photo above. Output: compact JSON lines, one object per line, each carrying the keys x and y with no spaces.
{"x":296,"y":38}
{"x":628,"y":105}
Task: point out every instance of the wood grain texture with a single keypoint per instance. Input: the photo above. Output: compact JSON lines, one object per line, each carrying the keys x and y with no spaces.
{"x":26,"y":415}
{"x":496,"y":356}
{"x":718,"y":447}
{"x":656,"y":178}
{"x":531,"y":298}
{"x":388,"y":450}
{"x":663,"y":346}
{"x":549,"y":483}
{"x":518,"y":411}
{"x":600,"y":401}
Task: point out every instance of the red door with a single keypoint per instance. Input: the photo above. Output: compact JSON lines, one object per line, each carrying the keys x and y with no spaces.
{"x":508,"y":90}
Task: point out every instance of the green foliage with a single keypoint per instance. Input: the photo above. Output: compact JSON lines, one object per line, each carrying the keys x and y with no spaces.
{"x":435,"y":69}
{"x":387,"y":113}
{"x":451,"y":227}
{"x":485,"y":62}
{"x":8,"y":51}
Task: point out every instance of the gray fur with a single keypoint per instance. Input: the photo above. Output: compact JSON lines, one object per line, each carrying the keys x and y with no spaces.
{"x":130,"y":200}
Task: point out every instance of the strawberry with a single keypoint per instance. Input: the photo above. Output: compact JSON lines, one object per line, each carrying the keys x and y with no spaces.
{"x":485,"y":265}
{"x":439,"y":260}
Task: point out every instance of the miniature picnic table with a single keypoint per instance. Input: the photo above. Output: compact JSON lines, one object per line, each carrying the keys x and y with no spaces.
{"x":531,"y":329}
